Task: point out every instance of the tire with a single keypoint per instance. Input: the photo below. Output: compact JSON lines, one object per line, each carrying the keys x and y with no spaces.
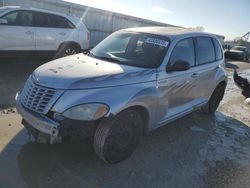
{"x":244,"y":58}
{"x":116,"y":139}
{"x":214,"y":100}
{"x":247,"y":58}
{"x":66,"y":50}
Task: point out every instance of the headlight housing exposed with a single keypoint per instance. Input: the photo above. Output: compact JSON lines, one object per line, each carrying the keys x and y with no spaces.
{"x":86,"y":112}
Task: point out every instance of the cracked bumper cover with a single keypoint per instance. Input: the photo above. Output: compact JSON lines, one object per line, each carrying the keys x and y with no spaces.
{"x":37,"y":121}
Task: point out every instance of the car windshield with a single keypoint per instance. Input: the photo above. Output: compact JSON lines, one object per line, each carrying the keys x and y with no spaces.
{"x":133,"y":49}
{"x":2,"y":10}
{"x":240,"y":48}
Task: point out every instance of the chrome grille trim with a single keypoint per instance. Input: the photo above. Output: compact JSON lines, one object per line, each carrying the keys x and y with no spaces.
{"x":38,"y":98}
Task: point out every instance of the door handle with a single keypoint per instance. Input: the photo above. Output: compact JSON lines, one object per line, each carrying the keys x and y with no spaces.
{"x":29,"y":33}
{"x":62,"y":33}
{"x":216,"y":68}
{"x":195,"y":75}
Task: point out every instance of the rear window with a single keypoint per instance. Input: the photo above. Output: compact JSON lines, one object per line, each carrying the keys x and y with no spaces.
{"x":205,"y":50}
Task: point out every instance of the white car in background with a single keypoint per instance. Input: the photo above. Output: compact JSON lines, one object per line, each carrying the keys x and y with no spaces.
{"x":29,"y":31}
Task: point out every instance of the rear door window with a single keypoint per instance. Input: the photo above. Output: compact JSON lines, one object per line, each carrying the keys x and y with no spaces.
{"x":205,"y":50}
{"x":25,"y":18}
{"x":53,"y":21}
{"x":42,"y":20}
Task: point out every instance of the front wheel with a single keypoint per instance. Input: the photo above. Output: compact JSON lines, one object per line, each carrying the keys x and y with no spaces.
{"x":214,"y":100}
{"x":117,"y":138}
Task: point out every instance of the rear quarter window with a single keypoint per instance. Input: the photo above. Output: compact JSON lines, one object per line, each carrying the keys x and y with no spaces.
{"x":218,"y":50}
{"x":205,"y":50}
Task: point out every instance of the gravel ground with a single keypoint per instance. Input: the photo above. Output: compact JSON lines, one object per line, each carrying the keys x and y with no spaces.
{"x":196,"y":151}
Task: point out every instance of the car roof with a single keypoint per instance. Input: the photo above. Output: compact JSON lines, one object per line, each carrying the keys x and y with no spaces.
{"x":37,"y":9}
{"x":170,"y":32}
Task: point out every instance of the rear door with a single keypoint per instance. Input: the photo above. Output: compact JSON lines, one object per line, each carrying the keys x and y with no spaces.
{"x":53,"y":30}
{"x":208,"y":53}
{"x":18,"y":34}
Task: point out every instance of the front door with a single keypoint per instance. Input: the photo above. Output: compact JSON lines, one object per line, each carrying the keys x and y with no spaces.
{"x":18,"y":34}
{"x":178,"y":89}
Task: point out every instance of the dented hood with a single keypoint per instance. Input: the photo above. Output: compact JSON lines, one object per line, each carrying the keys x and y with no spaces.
{"x":84,"y":72}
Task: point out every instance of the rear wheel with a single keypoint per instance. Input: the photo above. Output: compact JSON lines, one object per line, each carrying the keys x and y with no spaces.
{"x":67,"y":50}
{"x":214,"y":100}
{"x":116,"y":139}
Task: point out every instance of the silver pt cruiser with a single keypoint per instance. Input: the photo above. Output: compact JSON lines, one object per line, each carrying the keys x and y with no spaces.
{"x":132,"y":82}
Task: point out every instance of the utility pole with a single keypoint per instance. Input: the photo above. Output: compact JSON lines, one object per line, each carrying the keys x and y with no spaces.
{"x":246,"y":36}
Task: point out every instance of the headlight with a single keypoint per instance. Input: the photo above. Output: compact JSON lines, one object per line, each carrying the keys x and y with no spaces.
{"x":87,"y":112}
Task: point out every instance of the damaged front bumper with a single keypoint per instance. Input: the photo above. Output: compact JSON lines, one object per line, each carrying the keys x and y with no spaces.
{"x":54,"y":131}
{"x":38,"y":121}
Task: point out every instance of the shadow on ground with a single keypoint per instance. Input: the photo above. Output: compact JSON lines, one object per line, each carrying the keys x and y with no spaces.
{"x":230,"y":65}
{"x":178,"y":155}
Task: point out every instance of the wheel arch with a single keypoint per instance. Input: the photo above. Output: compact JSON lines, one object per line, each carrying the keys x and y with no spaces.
{"x":66,"y":43}
{"x":222,"y":83}
{"x":144,"y":113}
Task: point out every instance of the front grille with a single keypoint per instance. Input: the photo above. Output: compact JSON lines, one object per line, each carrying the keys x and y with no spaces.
{"x":37,"y":98}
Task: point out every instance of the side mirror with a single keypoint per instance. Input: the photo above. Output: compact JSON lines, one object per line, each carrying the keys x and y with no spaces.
{"x":179,"y":65}
{"x":3,"y":21}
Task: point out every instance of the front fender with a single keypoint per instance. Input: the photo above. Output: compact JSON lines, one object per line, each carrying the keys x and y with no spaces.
{"x":117,"y":98}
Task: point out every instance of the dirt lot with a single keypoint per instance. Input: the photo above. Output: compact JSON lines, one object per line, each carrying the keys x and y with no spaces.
{"x":196,"y":151}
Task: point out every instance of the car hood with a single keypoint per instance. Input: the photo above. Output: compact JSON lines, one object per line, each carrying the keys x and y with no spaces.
{"x":84,"y":72}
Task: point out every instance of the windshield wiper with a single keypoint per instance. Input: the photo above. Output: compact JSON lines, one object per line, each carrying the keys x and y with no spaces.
{"x":108,"y":59}
{"x":88,"y":53}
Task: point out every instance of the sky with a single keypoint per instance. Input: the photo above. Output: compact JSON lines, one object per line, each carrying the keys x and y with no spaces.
{"x":230,"y":18}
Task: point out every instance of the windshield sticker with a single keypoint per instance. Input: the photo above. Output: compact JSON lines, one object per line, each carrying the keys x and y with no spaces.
{"x":158,"y":42}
